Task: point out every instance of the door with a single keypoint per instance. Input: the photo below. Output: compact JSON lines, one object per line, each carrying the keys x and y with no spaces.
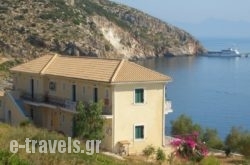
{"x":95,"y":96}
{"x":32,"y":88}
{"x":74,"y":93}
{"x":55,"y":120}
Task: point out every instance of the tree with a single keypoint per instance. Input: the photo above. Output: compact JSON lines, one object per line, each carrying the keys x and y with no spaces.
{"x":184,"y":125}
{"x":238,"y":140}
{"x":211,"y":138}
{"x":88,"y":122}
{"x":233,"y":139}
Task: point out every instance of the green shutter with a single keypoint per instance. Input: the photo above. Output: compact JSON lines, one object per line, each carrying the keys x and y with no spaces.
{"x":139,"y":132}
{"x":139,"y":95}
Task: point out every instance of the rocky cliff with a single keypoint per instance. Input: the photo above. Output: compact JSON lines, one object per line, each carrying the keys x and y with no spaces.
{"x":29,"y":28}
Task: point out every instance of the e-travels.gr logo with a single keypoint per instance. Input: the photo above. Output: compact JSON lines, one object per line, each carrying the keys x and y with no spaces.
{"x":53,"y":146}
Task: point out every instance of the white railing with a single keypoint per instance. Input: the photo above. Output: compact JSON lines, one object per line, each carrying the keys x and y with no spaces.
{"x":70,"y":105}
{"x":168,"y":107}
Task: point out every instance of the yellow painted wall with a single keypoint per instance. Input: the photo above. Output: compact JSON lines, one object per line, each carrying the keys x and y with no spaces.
{"x":106,"y":143}
{"x":127,"y":114}
{"x":10,"y":108}
{"x":84,"y":89}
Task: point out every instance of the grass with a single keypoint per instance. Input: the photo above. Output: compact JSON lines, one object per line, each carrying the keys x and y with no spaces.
{"x":8,"y":133}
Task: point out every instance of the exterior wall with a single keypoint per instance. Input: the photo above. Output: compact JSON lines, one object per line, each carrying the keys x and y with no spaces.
{"x":52,"y":118}
{"x":107,"y":141}
{"x":22,"y":83}
{"x":84,"y":89}
{"x":127,"y":114}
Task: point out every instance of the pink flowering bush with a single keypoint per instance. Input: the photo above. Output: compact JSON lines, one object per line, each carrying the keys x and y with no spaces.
{"x":189,"y":147}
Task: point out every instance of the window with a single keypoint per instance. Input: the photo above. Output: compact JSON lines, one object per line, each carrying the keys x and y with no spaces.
{"x":139,"y":95}
{"x":139,"y":132}
{"x":52,"y":86}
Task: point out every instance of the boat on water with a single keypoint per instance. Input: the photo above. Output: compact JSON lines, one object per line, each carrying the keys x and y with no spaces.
{"x":224,"y":53}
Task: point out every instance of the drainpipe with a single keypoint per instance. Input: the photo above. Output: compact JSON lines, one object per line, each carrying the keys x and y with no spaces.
{"x":163,"y":116}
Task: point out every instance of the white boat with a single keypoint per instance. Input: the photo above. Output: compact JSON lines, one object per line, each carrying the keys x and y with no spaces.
{"x":224,"y":53}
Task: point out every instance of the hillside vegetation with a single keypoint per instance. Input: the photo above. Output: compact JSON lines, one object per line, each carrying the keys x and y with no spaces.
{"x":8,"y":133}
{"x":100,"y":28}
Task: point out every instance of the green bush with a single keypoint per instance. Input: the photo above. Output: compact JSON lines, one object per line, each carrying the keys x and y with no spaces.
{"x":88,"y":122}
{"x":11,"y":159}
{"x":148,"y":151}
{"x":210,"y":160}
{"x":160,"y":155}
{"x":25,"y":123}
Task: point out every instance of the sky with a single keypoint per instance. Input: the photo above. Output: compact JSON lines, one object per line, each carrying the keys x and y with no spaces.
{"x":188,"y":13}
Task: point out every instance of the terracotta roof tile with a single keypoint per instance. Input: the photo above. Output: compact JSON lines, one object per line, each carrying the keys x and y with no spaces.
{"x":83,"y":68}
{"x":132,"y":72}
{"x":95,"y":69}
{"x":33,"y":66}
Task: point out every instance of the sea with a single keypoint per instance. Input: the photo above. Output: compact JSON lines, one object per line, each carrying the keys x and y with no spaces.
{"x":213,"y":91}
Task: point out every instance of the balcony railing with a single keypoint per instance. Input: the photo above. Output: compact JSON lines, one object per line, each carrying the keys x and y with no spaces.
{"x":168,"y":107}
{"x":60,"y":102}
{"x":51,"y":100}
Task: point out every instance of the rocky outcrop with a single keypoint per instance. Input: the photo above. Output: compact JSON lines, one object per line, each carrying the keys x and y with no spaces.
{"x":97,"y":28}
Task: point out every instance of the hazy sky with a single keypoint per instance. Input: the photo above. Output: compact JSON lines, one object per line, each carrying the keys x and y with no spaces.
{"x":193,"y":10}
{"x":201,"y":18}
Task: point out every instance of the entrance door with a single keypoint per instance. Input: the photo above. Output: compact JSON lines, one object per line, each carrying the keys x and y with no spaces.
{"x":74,"y":93}
{"x":55,"y":120}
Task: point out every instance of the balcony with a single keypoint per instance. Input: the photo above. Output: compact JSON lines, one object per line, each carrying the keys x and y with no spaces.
{"x":168,"y":107}
{"x":49,"y":101}
{"x":55,"y":102}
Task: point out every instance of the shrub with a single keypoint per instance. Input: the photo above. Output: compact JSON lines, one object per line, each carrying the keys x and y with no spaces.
{"x":25,"y":123}
{"x":227,"y":151}
{"x":9,"y":158}
{"x":189,"y":147}
{"x":148,"y":151}
{"x":88,"y":122}
{"x":160,"y":155}
{"x":210,"y":160}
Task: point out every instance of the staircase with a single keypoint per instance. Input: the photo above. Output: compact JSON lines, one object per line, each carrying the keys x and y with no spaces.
{"x":19,"y":102}
{"x":14,"y":105}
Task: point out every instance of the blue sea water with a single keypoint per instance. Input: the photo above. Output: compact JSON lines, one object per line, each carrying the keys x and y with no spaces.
{"x":213,"y":91}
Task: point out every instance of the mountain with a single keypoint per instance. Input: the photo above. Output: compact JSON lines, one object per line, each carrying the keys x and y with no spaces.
{"x":99,"y":28}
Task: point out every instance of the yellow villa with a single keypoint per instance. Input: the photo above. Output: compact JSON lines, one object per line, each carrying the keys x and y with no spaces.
{"x":46,"y":90}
